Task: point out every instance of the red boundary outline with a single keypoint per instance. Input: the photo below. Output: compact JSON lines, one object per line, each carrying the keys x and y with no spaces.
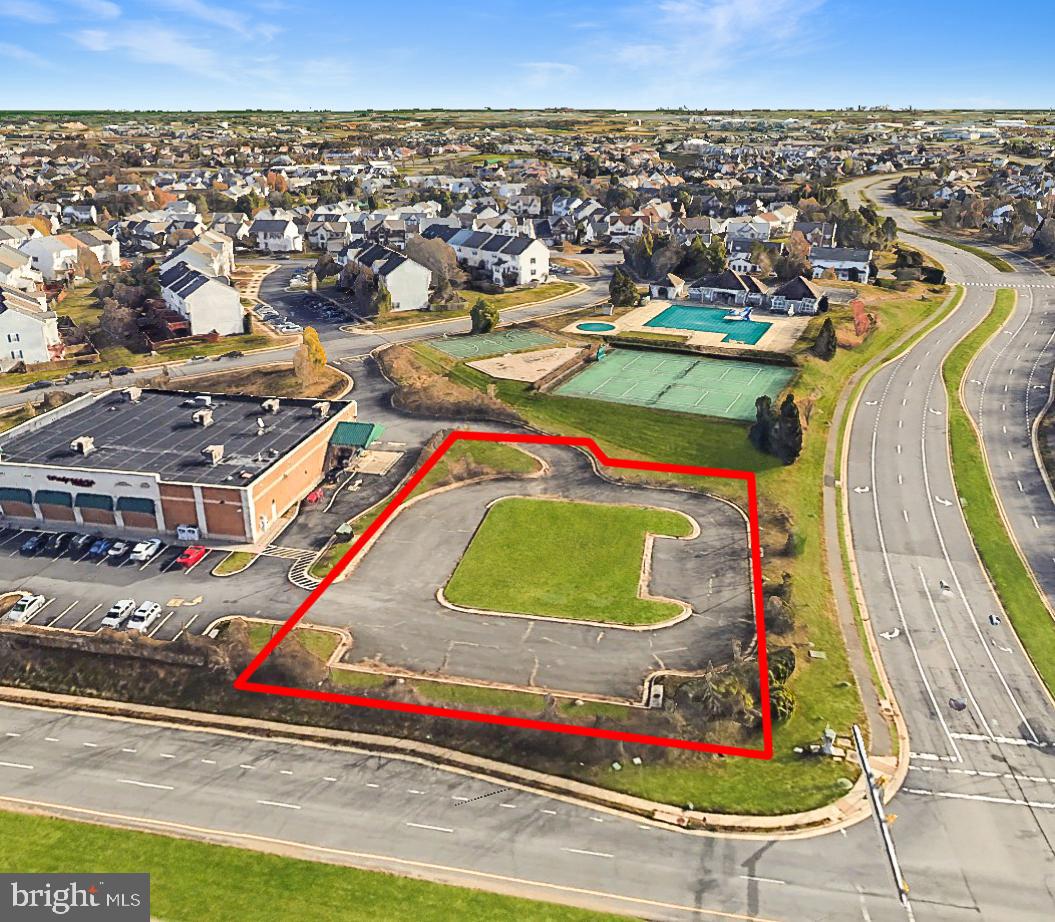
{"x":244,"y":681}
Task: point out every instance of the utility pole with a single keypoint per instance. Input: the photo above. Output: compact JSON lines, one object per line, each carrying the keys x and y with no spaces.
{"x":882,"y":823}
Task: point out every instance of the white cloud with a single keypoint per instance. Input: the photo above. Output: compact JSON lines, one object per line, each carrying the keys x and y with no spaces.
{"x":151,"y":43}
{"x":26,"y":10}
{"x":231,"y":20}
{"x":18,"y":53}
{"x":100,"y":9}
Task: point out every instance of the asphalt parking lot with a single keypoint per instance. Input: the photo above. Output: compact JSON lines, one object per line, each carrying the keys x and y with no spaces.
{"x":80,"y":589}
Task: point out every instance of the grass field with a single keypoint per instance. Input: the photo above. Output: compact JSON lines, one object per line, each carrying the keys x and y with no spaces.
{"x":1011,"y":579}
{"x":196,"y":882}
{"x":493,"y":456}
{"x":320,"y":643}
{"x":516,"y":298}
{"x":587,"y":557}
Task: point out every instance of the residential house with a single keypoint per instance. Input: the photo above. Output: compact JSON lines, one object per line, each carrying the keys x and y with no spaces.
{"x":28,"y":329}
{"x":211,"y":254}
{"x":670,"y":288}
{"x":80,"y":213}
{"x":231,"y":224}
{"x":742,"y":254}
{"x":16,"y":269}
{"x":407,"y":281}
{"x":54,"y":257}
{"x":817,"y":233}
{"x":277,"y":235}
{"x":797,"y":296}
{"x":506,"y":260}
{"x":848,"y":263}
{"x":101,"y":244}
{"x":729,"y":288}
{"x":208,"y":304}
{"x":320,"y":234}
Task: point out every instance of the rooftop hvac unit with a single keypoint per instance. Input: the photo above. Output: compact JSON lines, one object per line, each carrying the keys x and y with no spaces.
{"x":132,"y":394}
{"x":321,"y":409}
{"x":213,"y":454}
{"x":83,"y":444}
{"x":203,"y":400}
{"x":203,"y":417}
{"x":270,"y":405}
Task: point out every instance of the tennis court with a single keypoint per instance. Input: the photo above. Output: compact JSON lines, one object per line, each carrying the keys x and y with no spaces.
{"x":711,"y":320}
{"x":669,"y":381}
{"x":482,"y":345}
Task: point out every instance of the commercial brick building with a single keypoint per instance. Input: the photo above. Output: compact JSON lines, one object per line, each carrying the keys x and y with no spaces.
{"x":149,"y":461}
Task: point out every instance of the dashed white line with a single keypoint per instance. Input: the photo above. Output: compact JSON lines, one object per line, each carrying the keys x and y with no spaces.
{"x":583,"y":851}
{"x":762,"y":880}
{"x":11,"y":733}
{"x":370,"y":784}
{"x":50,"y":739}
{"x":1034,"y":518}
{"x":208,"y":761}
{"x":983,"y":798}
{"x":146,"y":784}
{"x":21,"y":765}
{"x":248,"y":768}
{"x":328,"y":778}
{"x":550,"y":812}
{"x":126,"y":749}
{"x":167,"y":755}
{"x":285,"y":771}
{"x":91,"y":745}
{"x":433,"y":828}
{"x":278,"y":803}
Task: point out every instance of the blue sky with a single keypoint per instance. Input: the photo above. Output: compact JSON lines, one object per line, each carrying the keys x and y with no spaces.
{"x":232,"y":54}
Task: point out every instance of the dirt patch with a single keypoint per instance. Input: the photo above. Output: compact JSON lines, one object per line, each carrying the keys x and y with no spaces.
{"x":269,"y":381}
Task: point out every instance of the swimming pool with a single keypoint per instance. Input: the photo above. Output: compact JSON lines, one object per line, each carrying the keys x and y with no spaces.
{"x":593,"y":326}
{"x":710,"y":320}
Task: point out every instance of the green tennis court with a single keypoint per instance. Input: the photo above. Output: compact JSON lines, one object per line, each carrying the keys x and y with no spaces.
{"x":482,"y":345}
{"x":669,"y":381}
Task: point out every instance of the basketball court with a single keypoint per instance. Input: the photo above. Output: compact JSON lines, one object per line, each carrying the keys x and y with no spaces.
{"x":684,"y":383}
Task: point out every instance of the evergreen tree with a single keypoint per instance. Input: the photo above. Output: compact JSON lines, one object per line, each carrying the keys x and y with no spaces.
{"x":825,"y":344}
{"x":622,"y":290}
{"x":761,"y":432}
{"x":788,"y":442}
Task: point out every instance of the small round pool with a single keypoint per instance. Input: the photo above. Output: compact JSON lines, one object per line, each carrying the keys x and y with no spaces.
{"x":593,"y":326}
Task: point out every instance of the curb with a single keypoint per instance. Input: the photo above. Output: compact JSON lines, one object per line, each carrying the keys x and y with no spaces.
{"x":850,"y":809}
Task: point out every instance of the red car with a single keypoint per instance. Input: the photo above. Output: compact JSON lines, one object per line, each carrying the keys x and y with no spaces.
{"x":191,"y":556}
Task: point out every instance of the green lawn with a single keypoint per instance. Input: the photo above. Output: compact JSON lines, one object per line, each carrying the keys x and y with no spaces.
{"x":233,"y":563}
{"x":587,"y":560}
{"x":320,"y":643}
{"x":1011,"y":578}
{"x":518,"y":297}
{"x":195,"y":882}
{"x":493,"y":456}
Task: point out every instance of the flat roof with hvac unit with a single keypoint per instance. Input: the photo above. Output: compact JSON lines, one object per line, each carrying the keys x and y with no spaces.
{"x":186,"y":437}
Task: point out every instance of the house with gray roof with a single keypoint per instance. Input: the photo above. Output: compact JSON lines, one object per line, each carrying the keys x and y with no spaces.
{"x":209,"y":304}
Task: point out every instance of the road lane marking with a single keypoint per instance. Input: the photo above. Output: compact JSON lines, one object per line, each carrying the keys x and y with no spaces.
{"x":87,"y":616}
{"x":248,"y":768}
{"x":1034,"y":518}
{"x":146,"y":784}
{"x":186,"y":626}
{"x":167,"y":755}
{"x":62,"y":614}
{"x":21,"y":765}
{"x":328,"y":778}
{"x":11,"y":733}
{"x":208,"y":761}
{"x":285,"y":771}
{"x":91,"y":745}
{"x":278,"y":803}
{"x":50,"y":739}
{"x":762,"y":880}
{"x":126,"y":749}
{"x":161,"y":624}
{"x":583,"y":851}
{"x":433,"y":828}
{"x":983,"y":798}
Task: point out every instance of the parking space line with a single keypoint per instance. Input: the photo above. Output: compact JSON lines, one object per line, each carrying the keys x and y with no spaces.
{"x":63,"y":614}
{"x":39,"y":611}
{"x":193,"y":618}
{"x":162,"y":624}
{"x":196,"y":564}
{"x":86,"y":617}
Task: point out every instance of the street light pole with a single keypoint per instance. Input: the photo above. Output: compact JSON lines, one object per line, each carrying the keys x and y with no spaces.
{"x":878,"y":813}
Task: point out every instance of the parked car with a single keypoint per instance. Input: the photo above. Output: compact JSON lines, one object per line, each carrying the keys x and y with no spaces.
{"x":58,"y":543}
{"x":191,"y":556}
{"x":291,"y":328}
{"x":233,"y":354}
{"x":118,"y":549}
{"x":198,"y":358}
{"x":100,"y":547}
{"x":82,"y":543}
{"x":37,"y":385}
{"x":143,"y":617}
{"x":25,"y":608}
{"x":118,"y":613}
{"x":123,"y":370}
{"x":145,"y":550}
{"x":34,"y":543}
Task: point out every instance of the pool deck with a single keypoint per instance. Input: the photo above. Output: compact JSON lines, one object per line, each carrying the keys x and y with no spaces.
{"x":781,"y":336}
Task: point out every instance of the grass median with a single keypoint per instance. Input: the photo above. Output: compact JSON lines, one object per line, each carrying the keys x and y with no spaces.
{"x":196,"y":882}
{"x":1001,"y":265}
{"x":1008,"y":572}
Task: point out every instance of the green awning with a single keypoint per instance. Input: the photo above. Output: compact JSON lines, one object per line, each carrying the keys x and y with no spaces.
{"x":94,"y":501}
{"x":135,"y":504}
{"x":54,"y":498}
{"x":15,"y":495}
{"x":355,"y":435}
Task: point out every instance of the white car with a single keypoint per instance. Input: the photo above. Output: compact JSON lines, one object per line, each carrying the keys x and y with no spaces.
{"x":291,"y":328}
{"x":118,"y":613}
{"x":145,"y":550}
{"x":143,"y":617}
{"x":25,"y":608}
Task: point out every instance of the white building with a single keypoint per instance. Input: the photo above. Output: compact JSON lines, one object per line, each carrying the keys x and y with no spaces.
{"x":101,"y":244}
{"x":277,"y":235}
{"x":209,"y":305}
{"x":211,"y":254}
{"x":16,"y":269}
{"x":28,"y":330}
{"x":848,"y":264}
{"x":507,"y":260}
{"x":406,"y":281}
{"x":53,"y":257}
